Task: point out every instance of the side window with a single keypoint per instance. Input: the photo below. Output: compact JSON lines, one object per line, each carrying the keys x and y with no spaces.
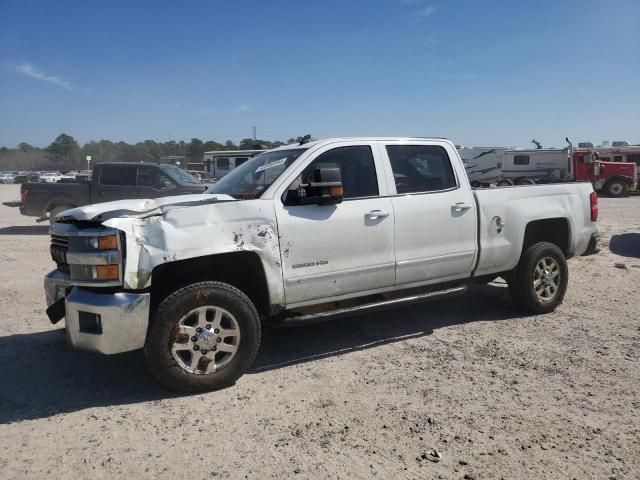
{"x":617,"y":158}
{"x":633,"y":157}
{"x":420,"y":168}
{"x":222,"y":163}
{"x":521,"y":160}
{"x":118,"y":175}
{"x":240,"y":160}
{"x":359,"y":178}
{"x":153,"y":178}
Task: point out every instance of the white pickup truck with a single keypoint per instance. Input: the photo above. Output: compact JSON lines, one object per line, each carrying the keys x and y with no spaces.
{"x":316,"y":229}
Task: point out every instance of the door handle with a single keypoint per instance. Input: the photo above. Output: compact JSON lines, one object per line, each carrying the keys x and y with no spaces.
{"x":461,"y":206}
{"x":376,"y":214}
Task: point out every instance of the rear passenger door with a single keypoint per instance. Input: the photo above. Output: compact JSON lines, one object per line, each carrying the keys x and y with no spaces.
{"x":435,"y":214}
{"x":115,"y":182}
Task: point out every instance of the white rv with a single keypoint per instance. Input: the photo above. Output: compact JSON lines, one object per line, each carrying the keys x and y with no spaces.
{"x":508,"y":166}
{"x":218,"y":163}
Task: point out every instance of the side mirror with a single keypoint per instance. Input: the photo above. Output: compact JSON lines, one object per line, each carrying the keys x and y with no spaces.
{"x":325,"y":188}
{"x":587,"y":158}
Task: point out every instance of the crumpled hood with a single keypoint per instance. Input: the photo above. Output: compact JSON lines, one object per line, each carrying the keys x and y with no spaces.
{"x":139,"y":207}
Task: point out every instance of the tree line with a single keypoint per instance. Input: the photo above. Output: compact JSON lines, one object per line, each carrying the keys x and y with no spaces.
{"x":65,"y":153}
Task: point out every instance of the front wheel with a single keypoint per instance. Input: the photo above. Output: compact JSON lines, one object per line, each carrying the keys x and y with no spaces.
{"x":617,"y":188}
{"x":202,"y":337}
{"x":539,"y":282}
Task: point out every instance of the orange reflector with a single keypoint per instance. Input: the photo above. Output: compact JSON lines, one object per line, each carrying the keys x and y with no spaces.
{"x":108,"y":272}
{"x":335,"y":191}
{"x":108,"y":243}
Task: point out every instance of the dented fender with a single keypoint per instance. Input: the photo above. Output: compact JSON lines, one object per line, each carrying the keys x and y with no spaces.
{"x":177,"y":233}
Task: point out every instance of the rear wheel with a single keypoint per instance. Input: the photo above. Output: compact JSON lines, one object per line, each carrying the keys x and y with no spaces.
{"x":539,"y":282}
{"x":617,"y":188}
{"x":505,"y":182}
{"x":202,"y":337}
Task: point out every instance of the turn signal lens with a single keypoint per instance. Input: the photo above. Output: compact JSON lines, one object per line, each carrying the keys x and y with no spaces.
{"x":107,"y":272}
{"x":109,"y":242}
{"x":593,"y":198}
{"x":336,"y":191}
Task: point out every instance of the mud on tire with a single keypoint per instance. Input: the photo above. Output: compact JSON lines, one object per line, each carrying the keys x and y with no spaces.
{"x":202,"y":337}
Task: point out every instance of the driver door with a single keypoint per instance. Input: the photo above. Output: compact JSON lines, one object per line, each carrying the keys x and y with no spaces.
{"x":333,"y":251}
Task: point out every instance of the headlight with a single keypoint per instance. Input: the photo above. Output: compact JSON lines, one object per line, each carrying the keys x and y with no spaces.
{"x":88,"y":244}
{"x":95,"y":272}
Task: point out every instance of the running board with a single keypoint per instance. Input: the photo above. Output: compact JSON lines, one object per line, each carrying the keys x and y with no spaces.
{"x":376,"y":306}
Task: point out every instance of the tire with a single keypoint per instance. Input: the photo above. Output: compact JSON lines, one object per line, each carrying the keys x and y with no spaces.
{"x":526,"y":181}
{"x":506,"y":182}
{"x":538,"y":264}
{"x":207,"y":306}
{"x":475,"y":184}
{"x":55,"y":211}
{"x":617,"y":188}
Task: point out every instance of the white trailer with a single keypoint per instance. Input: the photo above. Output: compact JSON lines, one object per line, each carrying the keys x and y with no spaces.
{"x":218,"y":163}
{"x":507,"y":166}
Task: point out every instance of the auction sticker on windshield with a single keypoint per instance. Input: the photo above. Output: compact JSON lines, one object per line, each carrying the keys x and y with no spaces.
{"x":271,"y":165}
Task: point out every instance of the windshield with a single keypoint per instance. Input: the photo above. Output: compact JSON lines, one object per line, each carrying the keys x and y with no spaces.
{"x":178,"y":174}
{"x":252,"y":178}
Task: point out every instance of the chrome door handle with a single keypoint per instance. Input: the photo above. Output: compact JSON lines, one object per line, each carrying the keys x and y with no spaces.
{"x":461,"y":206}
{"x":375,"y":214}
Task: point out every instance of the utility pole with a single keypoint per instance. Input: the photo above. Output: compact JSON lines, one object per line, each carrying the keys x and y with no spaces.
{"x":254,"y":134}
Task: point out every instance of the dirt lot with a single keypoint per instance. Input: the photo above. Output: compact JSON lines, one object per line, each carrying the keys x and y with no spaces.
{"x":497,"y":394}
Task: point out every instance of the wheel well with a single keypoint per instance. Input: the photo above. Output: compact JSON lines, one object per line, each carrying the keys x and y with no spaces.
{"x":242,"y":270}
{"x":627,"y":180}
{"x":553,"y":230}
{"x":57,"y":203}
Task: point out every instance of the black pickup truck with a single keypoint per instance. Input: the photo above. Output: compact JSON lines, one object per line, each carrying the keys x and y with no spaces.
{"x":109,"y":181}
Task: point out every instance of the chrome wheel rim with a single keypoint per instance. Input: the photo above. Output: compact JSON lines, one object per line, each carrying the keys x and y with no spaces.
{"x":205,"y":340}
{"x":546,"y":279}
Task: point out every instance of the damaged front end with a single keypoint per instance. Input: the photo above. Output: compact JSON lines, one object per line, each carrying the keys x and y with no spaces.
{"x":85,"y":289}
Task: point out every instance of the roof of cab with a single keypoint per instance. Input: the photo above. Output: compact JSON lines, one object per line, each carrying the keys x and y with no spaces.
{"x":361,"y":139}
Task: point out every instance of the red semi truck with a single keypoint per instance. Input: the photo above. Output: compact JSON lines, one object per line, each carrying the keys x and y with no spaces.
{"x":613,"y":178}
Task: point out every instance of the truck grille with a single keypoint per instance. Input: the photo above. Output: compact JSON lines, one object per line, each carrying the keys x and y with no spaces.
{"x":59,"y":248}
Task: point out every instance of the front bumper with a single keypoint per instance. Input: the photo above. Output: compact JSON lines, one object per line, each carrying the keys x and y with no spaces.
{"x":102,"y":322}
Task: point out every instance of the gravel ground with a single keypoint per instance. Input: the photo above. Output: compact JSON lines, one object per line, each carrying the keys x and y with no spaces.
{"x":497,"y":394}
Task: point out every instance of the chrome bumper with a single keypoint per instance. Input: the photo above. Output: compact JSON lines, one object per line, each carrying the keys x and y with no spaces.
{"x":107,"y":323}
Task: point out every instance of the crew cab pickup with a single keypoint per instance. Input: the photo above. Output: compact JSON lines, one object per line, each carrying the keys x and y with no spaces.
{"x":110,"y":181}
{"x":318,"y":229}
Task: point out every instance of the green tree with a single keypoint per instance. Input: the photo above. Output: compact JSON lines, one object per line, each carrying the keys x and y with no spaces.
{"x":211,"y":145}
{"x":64,"y":150}
{"x":25,"y":147}
{"x":229,"y":145}
{"x":195,"y":150}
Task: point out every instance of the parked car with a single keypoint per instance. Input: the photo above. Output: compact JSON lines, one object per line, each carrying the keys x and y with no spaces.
{"x":110,"y":181}
{"x":202,"y":177}
{"x":314,"y":230}
{"x":7,"y":177}
{"x":23,"y":177}
{"x":50,"y":177}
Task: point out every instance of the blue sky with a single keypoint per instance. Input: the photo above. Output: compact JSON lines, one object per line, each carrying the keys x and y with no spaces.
{"x":480,"y":73}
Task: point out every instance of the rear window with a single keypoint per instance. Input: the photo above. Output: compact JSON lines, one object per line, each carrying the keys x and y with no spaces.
{"x":118,"y":175}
